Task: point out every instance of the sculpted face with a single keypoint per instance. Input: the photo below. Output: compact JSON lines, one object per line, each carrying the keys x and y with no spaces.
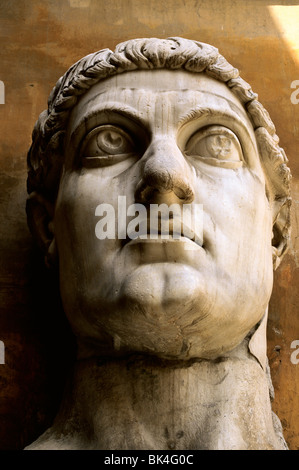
{"x":158,"y":137}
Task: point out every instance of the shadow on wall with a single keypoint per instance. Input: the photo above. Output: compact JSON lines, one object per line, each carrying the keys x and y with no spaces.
{"x":44,"y":38}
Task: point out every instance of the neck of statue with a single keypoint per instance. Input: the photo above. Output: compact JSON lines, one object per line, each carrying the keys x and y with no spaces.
{"x":141,"y":402}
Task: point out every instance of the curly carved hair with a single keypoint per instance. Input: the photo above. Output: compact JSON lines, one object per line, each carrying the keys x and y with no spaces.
{"x":45,"y":157}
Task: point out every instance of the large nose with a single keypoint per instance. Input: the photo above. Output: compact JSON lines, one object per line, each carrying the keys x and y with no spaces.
{"x":166,"y":175}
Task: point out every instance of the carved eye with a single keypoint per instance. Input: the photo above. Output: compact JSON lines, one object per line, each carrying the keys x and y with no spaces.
{"x":106,"y":145}
{"x":216,"y":145}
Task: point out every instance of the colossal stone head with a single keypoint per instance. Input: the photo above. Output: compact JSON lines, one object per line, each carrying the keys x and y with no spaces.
{"x":159,"y":122}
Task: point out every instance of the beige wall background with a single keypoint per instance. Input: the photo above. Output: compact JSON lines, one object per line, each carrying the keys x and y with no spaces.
{"x":39,"y":41}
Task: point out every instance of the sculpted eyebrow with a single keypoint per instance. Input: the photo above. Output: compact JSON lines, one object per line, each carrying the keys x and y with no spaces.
{"x":200,"y":111}
{"x":110,"y":109}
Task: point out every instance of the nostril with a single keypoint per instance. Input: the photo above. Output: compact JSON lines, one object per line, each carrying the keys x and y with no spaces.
{"x":146,"y":193}
{"x":185,"y":194}
{"x":161,"y":180}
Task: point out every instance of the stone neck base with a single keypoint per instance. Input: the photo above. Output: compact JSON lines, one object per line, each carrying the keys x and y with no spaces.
{"x":144,"y":403}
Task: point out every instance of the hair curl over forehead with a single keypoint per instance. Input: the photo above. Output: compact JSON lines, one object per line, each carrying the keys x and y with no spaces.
{"x":45,"y":157}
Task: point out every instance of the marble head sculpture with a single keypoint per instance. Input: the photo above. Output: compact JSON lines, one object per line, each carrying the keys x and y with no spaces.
{"x":170,"y":331}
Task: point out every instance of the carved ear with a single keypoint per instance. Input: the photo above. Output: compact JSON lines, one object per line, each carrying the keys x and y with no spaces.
{"x":281,"y":229}
{"x":40,"y":214}
{"x":278,"y":179}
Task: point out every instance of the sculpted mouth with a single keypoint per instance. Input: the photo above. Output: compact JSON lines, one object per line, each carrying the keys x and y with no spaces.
{"x":172,"y":231}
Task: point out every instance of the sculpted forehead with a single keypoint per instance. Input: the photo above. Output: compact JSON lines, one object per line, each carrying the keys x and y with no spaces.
{"x":145,"y":91}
